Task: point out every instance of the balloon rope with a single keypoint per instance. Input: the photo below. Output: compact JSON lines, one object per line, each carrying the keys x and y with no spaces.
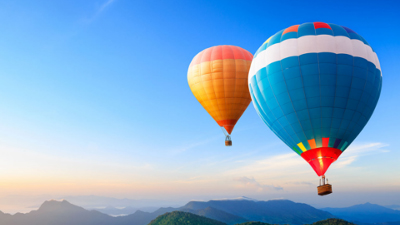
{"x":225,"y":132}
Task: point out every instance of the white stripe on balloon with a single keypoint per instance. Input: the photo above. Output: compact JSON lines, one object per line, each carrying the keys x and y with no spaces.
{"x":312,"y":44}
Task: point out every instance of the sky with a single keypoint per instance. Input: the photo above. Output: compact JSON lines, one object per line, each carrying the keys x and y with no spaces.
{"x":95,"y":101}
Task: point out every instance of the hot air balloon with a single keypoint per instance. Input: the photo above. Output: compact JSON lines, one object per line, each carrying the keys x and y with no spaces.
{"x":316,"y":86}
{"x":217,"y":77}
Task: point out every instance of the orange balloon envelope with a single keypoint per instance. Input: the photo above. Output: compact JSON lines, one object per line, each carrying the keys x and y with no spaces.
{"x":218,"y":78}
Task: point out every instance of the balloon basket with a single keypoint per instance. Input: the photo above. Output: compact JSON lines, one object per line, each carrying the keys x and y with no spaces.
{"x":324,"y":189}
{"x":228,"y":141}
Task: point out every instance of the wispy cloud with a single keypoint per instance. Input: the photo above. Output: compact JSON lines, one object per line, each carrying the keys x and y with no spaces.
{"x":99,"y":10}
{"x":85,"y":21}
{"x":345,"y":161}
{"x":356,"y":151}
{"x":291,"y":171}
{"x":252,"y":183}
{"x":367,"y":148}
{"x":105,"y":5}
{"x":278,"y":165}
{"x":192,"y":145}
{"x":273,"y":166}
{"x":300,"y":183}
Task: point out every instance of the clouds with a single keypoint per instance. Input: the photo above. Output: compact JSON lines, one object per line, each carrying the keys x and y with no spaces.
{"x":105,"y":5}
{"x":273,"y":167}
{"x":289,"y":164}
{"x":300,"y":183}
{"x":289,"y":172}
{"x":356,"y":151}
{"x":252,"y":183}
{"x":194,"y":144}
{"x":99,"y":10}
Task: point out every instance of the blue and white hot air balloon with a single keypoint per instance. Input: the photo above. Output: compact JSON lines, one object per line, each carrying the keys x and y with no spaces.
{"x":316,"y":86}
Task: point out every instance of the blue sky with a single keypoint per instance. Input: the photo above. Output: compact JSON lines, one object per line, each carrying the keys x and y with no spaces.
{"x":95,"y":100}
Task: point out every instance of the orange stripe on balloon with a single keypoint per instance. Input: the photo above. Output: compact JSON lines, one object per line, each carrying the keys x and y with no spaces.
{"x":294,"y":28}
{"x":312,"y":143}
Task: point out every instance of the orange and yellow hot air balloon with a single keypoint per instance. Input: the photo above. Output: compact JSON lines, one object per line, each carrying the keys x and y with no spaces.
{"x":218,"y":78}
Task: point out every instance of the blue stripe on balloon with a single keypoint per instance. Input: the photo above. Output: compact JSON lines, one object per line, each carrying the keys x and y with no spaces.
{"x":317,"y":97}
{"x":338,"y":30}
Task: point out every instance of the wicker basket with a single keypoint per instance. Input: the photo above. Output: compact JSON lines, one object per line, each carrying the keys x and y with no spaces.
{"x":324,"y":189}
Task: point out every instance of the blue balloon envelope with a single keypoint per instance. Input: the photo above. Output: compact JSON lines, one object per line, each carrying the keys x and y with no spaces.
{"x":316,"y":86}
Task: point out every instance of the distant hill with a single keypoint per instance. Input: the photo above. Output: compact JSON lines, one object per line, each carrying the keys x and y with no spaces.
{"x":254,"y":223}
{"x":226,"y":211}
{"x":65,"y":213}
{"x":216,"y":214}
{"x":183,"y":218}
{"x":273,"y":211}
{"x":333,"y":222}
{"x":113,"y":211}
{"x":143,"y":218}
{"x":395,"y":207}
{"x":230,"y":212}
{"x":366,"y":213}
{"x":60,"y":213}
{"x":93,"y":201}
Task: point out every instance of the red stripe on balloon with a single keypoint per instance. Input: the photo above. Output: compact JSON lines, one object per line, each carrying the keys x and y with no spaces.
{"x":325,"y":142}
{"x":221,"y":52}
{"x":227,"y":124}
{"x":321,"y":25}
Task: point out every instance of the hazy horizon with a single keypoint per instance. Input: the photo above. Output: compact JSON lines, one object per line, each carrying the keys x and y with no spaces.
{"x":25,"y":204}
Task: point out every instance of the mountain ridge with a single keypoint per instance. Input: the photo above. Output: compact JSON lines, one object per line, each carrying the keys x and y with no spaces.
{"x":272,"y":211}
{"x":183,"y":218}
{"x":230,"y":212}
{"x":366,"y":213}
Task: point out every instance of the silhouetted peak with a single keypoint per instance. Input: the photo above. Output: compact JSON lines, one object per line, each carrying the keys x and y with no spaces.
{"x":361,"y":208}
{"x":140,"y":212}
{"x":58,"y":205}
{"x":282,"y":200}
{"x":368,"y":205}
{"x":242,"y":198}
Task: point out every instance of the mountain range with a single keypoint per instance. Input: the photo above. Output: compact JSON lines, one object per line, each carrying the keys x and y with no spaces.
{"x":113,"y":211}
{"x":184,"y":218}
{"x":366,"y":213}
{"x":396,"y":207}
{"x":227,"y":211}
{"x":94,"y":201}
{"x":273,"y":211}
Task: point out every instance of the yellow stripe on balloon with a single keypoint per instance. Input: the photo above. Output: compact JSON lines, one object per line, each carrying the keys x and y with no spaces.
{"x":268,"y":40}
{"x":301,"y":146}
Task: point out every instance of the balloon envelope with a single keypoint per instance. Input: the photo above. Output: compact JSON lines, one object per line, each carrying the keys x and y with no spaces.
{"x":218,"y":78}
{"x":316,"y":86}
